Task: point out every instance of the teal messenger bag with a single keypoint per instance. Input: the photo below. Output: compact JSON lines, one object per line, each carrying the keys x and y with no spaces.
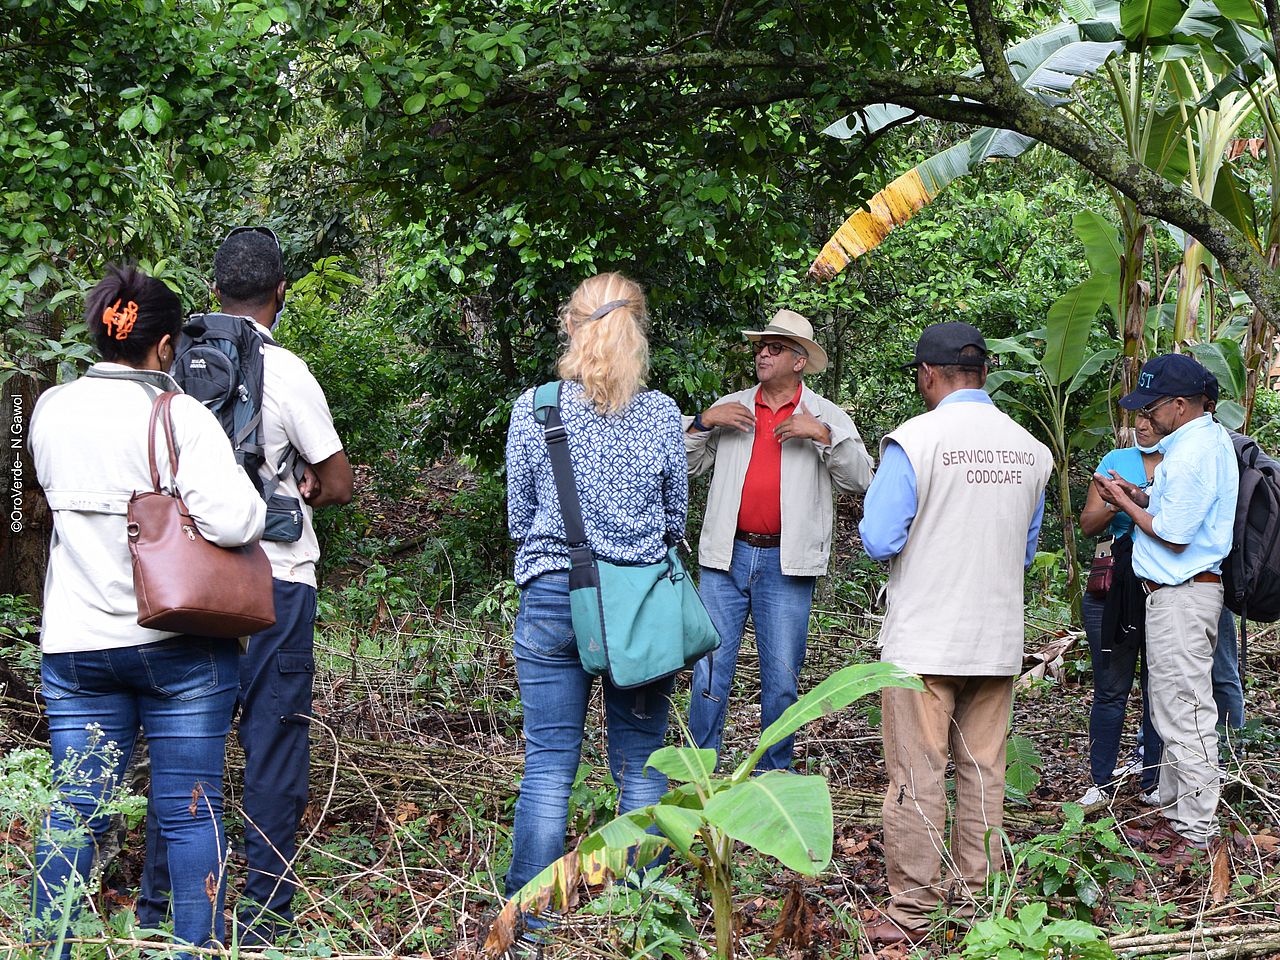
{"x":636,"y":623}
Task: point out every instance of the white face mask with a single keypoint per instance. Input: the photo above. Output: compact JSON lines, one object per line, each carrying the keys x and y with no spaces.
{"x":279,"y":313}
{"x":1151,"y":449}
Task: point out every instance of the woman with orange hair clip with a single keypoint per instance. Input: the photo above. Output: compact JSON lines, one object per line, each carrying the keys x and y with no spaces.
{"x":102,"y":674}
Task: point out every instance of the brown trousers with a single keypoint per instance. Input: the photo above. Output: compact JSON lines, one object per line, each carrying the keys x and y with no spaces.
{"x":967,"y":718}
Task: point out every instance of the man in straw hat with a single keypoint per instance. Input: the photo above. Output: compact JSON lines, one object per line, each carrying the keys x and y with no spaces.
{"x":955,"y":508}
{"x":777,"y":449}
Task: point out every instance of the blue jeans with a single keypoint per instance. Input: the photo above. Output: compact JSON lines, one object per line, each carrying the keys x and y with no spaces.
{"x":554,"y":693}
{"x":275,"y":708}
{"x":779,"y":607}
{"x":1113,"y":673}
{"x":182,"y":692}
{"x":1228,"y":693}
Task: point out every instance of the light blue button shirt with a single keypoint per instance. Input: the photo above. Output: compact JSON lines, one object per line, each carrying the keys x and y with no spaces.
{"x":1193,"y":501}
{"x":891,"y":502}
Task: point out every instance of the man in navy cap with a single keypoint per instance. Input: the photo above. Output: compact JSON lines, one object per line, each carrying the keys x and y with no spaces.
{"x":1183,"y":532}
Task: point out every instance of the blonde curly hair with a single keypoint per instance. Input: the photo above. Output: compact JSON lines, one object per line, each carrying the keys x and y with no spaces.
{"x":610,"y":354}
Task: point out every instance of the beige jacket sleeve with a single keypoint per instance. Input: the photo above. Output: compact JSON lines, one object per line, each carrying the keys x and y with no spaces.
{"x":846,"y":456}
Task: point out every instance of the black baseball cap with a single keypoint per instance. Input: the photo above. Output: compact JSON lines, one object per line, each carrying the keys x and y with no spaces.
{"x":1171,"y":375}
{"x":940,"y":344}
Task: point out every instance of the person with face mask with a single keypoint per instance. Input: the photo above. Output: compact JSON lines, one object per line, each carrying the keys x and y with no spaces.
{"x":276,"y":673}
{"x":103,"y":675}
{"x":1115,"y":641}
{"x":1184,"y":524}
{"x":1114,"y":626}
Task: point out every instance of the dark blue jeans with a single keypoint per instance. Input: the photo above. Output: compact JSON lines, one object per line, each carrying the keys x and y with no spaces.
{"x":275,"y":679}
{"x":1113,"y":680}
{"x":1228,"y":692}
{"x":1113,"y":673}
{"x":182,"y":692}
{"x":779,"y":607}
{"x":554,"y":693}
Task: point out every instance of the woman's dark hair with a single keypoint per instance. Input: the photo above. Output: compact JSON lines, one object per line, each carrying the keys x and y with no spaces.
{"x":129,"y":312}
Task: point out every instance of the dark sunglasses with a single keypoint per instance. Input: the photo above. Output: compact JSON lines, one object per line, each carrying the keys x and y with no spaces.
{"x":775,"y":348}
{"x":265,"y":231}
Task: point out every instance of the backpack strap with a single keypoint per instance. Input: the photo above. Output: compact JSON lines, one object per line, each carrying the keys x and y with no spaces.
{"x":546,"y":410}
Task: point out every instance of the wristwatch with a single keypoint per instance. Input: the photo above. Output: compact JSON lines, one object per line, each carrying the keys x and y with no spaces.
{"x":698,"y":424}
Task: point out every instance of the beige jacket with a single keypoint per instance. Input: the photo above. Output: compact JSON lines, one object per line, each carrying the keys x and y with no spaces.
{"x":808,"y":471}
{"x":89,"y":447}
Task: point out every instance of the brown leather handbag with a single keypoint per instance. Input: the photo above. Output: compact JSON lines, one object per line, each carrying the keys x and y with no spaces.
{"x":184,"y":583}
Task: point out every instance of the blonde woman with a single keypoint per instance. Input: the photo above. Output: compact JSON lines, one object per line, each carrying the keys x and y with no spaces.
{"x":628,"y":458}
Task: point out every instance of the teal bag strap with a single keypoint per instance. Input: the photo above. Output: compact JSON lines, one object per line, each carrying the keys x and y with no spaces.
{"x":546,"y":411}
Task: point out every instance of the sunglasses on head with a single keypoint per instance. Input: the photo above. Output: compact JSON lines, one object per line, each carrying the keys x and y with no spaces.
{"x":265,"y":231}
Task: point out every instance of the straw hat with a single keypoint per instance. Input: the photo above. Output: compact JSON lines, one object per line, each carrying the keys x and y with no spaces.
{"x":789,"y":324}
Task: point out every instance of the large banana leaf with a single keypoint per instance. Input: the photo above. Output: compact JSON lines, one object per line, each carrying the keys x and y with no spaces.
{"x":684,"y":764}
{"x":1102,"y":247}
{"x":1070,"y":320}
{"x":891,"y":207}
{"x":1166,"y":151}
{"x":1047,"y":65}
{"x":1232,"y":199}
{"x":1145,"y":20}
{"x":832,"y":694}
{"x":782,"y":814}
{"x":870,"y":119}
{"x":1242,"y":11}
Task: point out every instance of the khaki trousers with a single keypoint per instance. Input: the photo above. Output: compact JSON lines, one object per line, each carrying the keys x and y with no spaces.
{"x":1182,"y":631}
{"x":968,"y":719}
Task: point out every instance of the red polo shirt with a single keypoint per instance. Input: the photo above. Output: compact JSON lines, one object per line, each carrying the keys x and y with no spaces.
{"x":761,"y":509}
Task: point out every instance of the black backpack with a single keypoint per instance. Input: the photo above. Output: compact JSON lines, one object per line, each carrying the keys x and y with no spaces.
{"x":219,"y":361}
{"x":1251,"y":571}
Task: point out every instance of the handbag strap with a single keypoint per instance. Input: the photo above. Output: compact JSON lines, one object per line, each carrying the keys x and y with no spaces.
{"x":546,"y":410}
{"x":160,"y":407}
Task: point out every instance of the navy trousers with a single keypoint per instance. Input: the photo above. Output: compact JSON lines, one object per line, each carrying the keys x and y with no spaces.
{"x":275,"y":715}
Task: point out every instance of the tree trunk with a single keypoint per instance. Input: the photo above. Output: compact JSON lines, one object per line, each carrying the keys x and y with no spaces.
{"x":28,"y":523}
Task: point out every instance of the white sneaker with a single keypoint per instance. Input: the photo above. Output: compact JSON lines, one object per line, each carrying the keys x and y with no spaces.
{"x":1125,"y":767}
{"x":1094,"y":798}
{"x":1150,"y":798}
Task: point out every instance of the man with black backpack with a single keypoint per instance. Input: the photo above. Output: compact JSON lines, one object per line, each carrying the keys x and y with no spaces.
{"x":279,"y":424}
{"x":1183,"y":533}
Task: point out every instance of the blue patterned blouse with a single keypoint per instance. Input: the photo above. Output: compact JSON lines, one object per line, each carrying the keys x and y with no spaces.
{"x":631,"y":472}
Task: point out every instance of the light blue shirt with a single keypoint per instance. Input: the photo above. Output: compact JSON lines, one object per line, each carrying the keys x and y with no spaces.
{"x":891,"y":501}
{"x":1193,"y":501}
{"x":1126,"y":461}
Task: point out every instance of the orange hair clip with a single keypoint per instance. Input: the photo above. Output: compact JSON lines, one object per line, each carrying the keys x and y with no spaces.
{"x":121,"y":320}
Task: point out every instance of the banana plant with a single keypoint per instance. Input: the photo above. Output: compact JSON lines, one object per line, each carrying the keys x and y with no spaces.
{"x":780,"y":814}
{"x":1046,"y":65}
{"x":1059,"y":370}
{"x":1140,"y":50}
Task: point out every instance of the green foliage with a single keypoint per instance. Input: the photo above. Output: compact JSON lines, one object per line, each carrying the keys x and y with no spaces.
{"x":1029,"y":937}
{"x":20,"y":632}
{"x":1076,"y":864}
{"x":1022,"y":769}
{"x":782,"y":815}
{"x":649,"y":915}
